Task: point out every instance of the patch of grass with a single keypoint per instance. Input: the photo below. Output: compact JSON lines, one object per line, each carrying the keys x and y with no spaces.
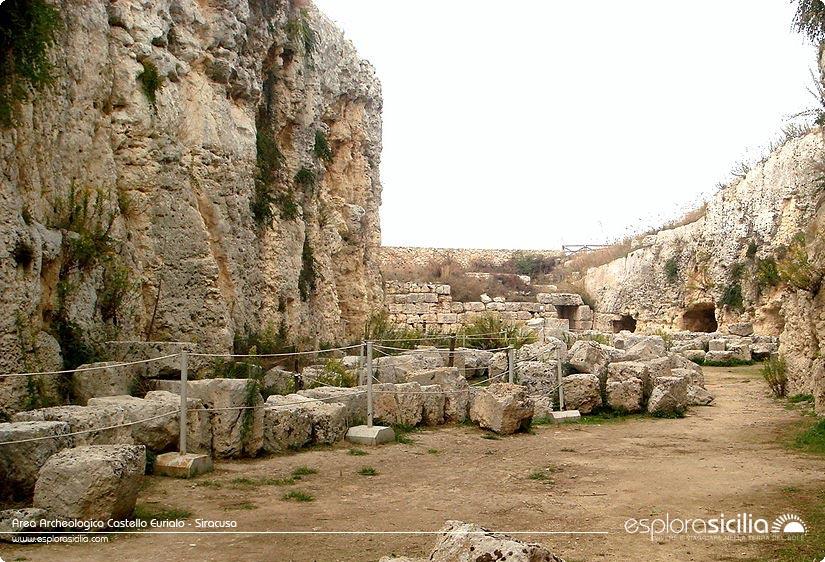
{"x":301,"y":33}
{"x":567,"y":450}
{"x":208,"y":484}
{"x":539,"y":475}
{"x":240,"y":506}
{"x":146,"y":513}
{"x":729,"y":363}
{"x":303,"y":471}
{"x":305,"y":178}
{"x":243,"y":482}
{"x":812,"y":440}
{"x":298,"y":496}
{"x":367,"y":471}
{"x":402,"y":433}
{"x":150,"y":81}
{"x":543,"y":421}
{"x":357,"y":452}
{"x":432,"y":451}
{"x":798,"y":398}
{"x":605,"y":416}
{"x":490,"y":436}
{"x":774,"y":373}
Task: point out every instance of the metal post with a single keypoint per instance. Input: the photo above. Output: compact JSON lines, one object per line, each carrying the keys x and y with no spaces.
{"x":361,"y":355}
{"x":511,"y":364}
{"x":369,"y":384}
{"x":184,"y":374}
{"x":559,"y":380}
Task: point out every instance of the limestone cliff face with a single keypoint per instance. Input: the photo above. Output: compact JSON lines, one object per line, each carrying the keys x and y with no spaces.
{"x":690,"y":277}
{"x":249,"y":88}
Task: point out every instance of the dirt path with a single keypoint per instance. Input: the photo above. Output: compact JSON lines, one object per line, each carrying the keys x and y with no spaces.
{"x":725,"y":458}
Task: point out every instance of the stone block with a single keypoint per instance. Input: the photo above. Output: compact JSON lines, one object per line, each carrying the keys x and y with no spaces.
{"x":21,"y":462}
{"x":503,"y":408}
{"x":91,"y":483}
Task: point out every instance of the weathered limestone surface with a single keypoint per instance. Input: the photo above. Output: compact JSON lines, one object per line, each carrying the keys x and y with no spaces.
{"x":502,"y":407}
{"x":582,"y":393}
{"x":776,"y":201}
{"x":465,"y":542}
{"x":91,"y":483}
{"x":21,"y":462}
{"x":178,"y":177}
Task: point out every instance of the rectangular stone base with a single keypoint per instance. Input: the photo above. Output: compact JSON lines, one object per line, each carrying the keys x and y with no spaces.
{"x":374,"y":435}
{"x":565,"y":416}
{"x":182,"y":466}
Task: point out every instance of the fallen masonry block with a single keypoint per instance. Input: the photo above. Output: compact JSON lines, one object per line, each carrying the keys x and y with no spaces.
{"x":721,"y":356}
{"x":328,"y":420}
{"x":85,"y":419}
{"x":102,"y":380}
{"x":502,"y":407}
{"x":21,"y":462}
{"x":460,"y":541}
{"x":287,"y":426}
{"x":581,"y":392}
{"x":14,"y":522}
{"x":182,"y":466}
{"x":91,"y":483}
{"x":669,"y":396}
{"x":370,"y":435}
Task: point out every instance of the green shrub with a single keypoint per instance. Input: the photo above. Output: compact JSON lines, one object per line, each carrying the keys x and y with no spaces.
{"x":489,"y":331}
{"x":379,"y":328}
{"x":528,"y":263}
{"x":774,"y":372}
{"x":300,"y":32}
{"x":305,"y":179}
{"x":809,"y":19}
{"x":732,"y":297}
{"x":251,"y":396}
{"x":116,"y":289}
{"x":795,"y":268}
{"x":27,"y":31}
{"x":150,"y":81}
{"x":737,"y":270}
{"x":334,"y":374}
{"x":767,"y":273}
{"x":307,"y":276}
{"x":671,"y":270}
{"x":321,"y":148}
{"x":367,"y":471}
{"x":750,"y":253}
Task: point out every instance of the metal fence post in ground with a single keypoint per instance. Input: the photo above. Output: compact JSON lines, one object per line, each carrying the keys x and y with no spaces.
{"x":511,"y":364}
{"x":361,"y":355}
{"x":559,"y":380}
{"x":369,"y":384}
{"x":184,"y":375}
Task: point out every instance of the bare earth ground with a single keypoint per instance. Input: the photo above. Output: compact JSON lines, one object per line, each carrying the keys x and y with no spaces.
{"x":726,"y":458}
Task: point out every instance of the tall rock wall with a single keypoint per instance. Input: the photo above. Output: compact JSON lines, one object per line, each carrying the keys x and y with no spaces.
{"x":263,"y":105}
{"x":692,"y":276}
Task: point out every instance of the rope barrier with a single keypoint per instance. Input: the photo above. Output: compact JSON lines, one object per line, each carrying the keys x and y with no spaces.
{"x":289,"y":354}
{"x":100,"y":368}
{"x":95,"y":430}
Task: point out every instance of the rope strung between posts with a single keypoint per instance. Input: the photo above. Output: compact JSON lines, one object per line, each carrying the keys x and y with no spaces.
{"x":97,"y":368}
{"x":286,"y":354}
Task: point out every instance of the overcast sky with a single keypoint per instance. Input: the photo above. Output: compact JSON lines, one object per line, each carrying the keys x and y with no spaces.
{"x":528,"y":124}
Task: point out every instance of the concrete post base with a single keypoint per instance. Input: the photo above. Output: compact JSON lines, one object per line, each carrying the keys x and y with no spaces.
{"x":374,"y":435}
{"x":565,"y":416}
{"x":182,"y":466}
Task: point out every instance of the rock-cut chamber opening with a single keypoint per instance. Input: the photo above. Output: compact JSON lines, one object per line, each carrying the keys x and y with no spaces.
{"x":700,"y":318}
{"x":626,"y":322}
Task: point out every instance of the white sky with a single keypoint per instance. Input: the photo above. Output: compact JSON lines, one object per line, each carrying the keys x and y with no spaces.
{"x":528,"y":124}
